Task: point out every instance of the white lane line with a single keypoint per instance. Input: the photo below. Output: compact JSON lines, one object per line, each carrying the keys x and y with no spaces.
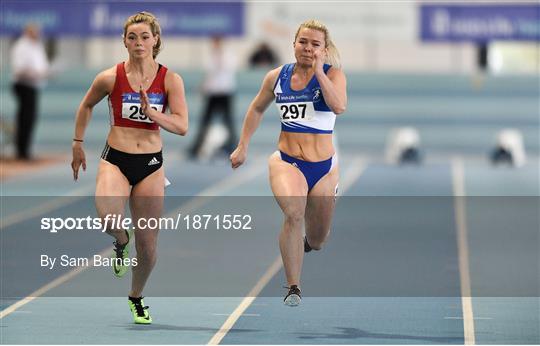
{"x":246,"y":315}
{"x":357,"y":167}
{"x":195,"y":202}
{"x":218,"y":189}
{"x":46,"y":207}
{"x":461,"y":317}
{"x":58,"y":281}
{"x":58,"y":202}
{"x":460,"y":209}
{"x":246,"y":302}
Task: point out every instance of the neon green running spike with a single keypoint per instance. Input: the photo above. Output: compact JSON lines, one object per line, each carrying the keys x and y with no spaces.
{"x":120,"y":256}
{"x":139,"y":311}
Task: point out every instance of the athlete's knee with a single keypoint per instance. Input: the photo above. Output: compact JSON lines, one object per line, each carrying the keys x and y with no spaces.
{"x":294,"y":216}
{"x":147,"y":258}
{"x":147,"y":253}
{"x":111,"y":211}
{"x":317,"y":242}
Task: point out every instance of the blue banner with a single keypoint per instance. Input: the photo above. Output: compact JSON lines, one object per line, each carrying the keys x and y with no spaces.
{"x":106,"y":18}
{"x":480,"y":23}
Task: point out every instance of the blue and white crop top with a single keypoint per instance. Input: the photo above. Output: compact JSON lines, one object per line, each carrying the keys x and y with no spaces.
{"x":304,"y":110}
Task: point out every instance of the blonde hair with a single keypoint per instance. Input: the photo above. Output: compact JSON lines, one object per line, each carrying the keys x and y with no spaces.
{"x":151,"y":20}
{"x":332,"y":57}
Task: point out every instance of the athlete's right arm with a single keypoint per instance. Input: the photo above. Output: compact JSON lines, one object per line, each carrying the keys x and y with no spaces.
{"x":253,"y":117}
{"x":100,"y":88}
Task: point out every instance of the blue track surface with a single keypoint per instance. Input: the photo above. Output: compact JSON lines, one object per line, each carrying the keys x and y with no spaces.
{"x":390,"y":273}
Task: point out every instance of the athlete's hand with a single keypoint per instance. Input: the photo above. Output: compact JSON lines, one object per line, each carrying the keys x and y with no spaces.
{"x":318,"y":60}
{"x":238,"y":157}
{"x":79,"y":158}
{"x":145,"y":104}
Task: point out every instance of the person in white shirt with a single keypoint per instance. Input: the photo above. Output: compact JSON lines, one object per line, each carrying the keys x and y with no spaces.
{"x":30,"y":70}
{"x":219,"y":87}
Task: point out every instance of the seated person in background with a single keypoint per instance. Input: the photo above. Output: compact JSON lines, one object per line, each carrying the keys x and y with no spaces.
{"x":263,"y":56}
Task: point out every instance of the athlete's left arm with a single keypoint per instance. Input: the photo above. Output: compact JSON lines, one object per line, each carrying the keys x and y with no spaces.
{"x":334,"y":88}
{"x":177,"y":121}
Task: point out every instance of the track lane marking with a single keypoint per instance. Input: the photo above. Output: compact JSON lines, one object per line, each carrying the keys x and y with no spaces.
{"x":460,"y":209}
{"x":357,"y":167}
{"x":197,"y":201}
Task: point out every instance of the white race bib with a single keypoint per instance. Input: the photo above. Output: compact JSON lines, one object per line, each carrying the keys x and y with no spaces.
{"x":298,"y":111}
{"x":131,"y":106}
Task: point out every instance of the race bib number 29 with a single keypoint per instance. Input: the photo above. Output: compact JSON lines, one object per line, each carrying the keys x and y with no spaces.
{"x":131,"y":106}
{"x":296,"y":111}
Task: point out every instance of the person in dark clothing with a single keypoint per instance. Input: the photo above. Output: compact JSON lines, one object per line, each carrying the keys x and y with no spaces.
{"x":218,"y":87}
{"x":30,"y":69}
{"x":263,"y":56}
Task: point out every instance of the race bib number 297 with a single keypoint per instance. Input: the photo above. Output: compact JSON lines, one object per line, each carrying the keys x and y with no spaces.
{"x":131,"y":106}
{"x":296,"y":111}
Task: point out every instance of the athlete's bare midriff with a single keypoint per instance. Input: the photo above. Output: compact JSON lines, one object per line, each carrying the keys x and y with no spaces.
{"x":134,"y":141}
{"x":306,"y":146}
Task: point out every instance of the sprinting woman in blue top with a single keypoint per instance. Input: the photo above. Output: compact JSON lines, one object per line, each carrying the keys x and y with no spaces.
{"x":304,"y":172}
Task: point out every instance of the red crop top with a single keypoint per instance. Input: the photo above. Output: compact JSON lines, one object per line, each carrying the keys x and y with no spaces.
{"x":125,"y":103}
